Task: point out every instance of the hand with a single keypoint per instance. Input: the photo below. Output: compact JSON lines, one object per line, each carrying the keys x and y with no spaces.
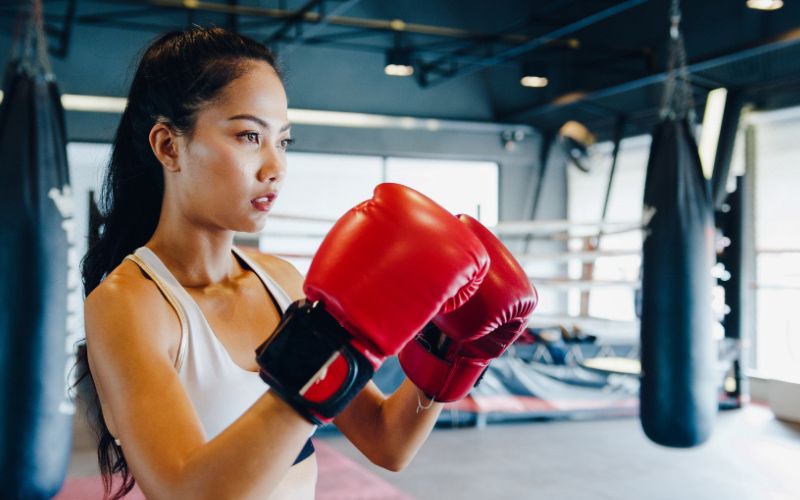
{"x":384,"y":270}
{"x":449,"y":356}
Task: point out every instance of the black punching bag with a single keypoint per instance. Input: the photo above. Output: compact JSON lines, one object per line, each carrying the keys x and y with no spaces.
{"x":678,"y":389}
{"x":39,"y":290}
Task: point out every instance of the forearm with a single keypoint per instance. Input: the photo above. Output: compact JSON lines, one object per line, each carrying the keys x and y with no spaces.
{"x":246,"y":460}
{"x":408,"y":417}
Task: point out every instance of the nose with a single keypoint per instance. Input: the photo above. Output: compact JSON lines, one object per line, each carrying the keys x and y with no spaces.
{"x":272,"y":168}
{"x":269,"y":177}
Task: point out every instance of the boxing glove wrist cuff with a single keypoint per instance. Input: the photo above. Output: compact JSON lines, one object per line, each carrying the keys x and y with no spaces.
{"x":440,"y":376}
{"x":310,"y":363}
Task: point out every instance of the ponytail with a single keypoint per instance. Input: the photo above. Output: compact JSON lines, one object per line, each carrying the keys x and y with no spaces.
{"x":179,"y":73}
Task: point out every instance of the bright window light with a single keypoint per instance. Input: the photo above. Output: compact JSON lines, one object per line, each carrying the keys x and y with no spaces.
{"x":709,"y":133}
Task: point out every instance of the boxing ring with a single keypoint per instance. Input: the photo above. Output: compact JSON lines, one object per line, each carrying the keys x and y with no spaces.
{"x":552,"y":371}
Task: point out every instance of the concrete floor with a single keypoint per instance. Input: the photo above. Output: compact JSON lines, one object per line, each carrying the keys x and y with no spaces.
{"x":751,"y":456}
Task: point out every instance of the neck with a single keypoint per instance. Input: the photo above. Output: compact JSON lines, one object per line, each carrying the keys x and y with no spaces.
{"x":197,"y":257}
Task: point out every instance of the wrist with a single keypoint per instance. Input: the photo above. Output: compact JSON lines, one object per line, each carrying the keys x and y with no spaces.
{"x":310,"y":362}
{"x":443,"y":379}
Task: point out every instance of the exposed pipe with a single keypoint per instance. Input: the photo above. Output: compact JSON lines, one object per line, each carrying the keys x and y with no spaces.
{"x":788,"y":39}
{"x":314,"y":17}
{"x":541,"y":40}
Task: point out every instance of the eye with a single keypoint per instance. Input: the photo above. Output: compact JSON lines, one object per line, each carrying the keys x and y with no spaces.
{"x":285,"y":143}
{"x":251,"y":137}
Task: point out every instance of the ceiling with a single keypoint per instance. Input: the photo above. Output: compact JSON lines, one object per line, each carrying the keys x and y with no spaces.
{"x":605,"y":59}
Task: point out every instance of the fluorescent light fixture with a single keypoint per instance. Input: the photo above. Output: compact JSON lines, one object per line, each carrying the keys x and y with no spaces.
{"x":534,"y":81}
{"x":103,"y":104}
{"x":398,"y":62}
{"x":358,"y":120}
{"x":95,"y":103}
{"x":709,"y":133}
{"x":765,"y":4}
{"x":365,"y":120}
{"x":91,"y":103}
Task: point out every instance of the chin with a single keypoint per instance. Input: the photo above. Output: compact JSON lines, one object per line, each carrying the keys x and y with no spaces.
{"x":255,"y":226}
{"x":246,"y":226}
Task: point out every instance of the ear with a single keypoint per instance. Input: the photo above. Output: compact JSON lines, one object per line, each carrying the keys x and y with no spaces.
{"x":164,"y":143}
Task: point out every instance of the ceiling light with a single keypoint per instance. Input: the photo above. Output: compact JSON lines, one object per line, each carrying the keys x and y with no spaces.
{"x":765,"y":4}
{"x":534,"y":81}
{"x":398,"y":62}
{"x":533,"y":75}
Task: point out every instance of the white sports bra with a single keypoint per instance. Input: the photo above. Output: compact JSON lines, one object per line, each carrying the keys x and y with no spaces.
{"x":220,"y":390}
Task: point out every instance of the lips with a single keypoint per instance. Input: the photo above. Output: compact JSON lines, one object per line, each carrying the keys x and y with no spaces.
{"x":263,"y":202}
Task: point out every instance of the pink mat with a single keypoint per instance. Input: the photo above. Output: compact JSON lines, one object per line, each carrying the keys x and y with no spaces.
{"x":90,"y":488}
{"x":339,"y":478}
{"x":342,"y":479}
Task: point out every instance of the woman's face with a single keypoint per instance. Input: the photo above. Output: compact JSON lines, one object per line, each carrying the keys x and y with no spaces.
{"x":232,"y":168}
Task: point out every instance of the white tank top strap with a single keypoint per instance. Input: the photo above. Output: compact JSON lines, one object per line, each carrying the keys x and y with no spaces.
{"x":169,"y":286}
{"x":279,"y":294}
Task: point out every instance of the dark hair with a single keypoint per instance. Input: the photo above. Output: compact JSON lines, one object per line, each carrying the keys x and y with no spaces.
{"x":177,"y":74}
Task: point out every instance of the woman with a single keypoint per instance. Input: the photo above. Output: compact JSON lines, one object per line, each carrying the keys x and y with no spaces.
{"x":200,"y":153}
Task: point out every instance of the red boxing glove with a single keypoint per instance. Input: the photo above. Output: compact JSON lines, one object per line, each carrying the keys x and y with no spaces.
{"x":449,"y":356}
{"x":385,"y":269}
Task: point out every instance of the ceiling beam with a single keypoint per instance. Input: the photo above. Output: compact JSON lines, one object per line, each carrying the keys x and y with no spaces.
{"x":536,"y":42}
{"x":295,"y":21}
{"x":389,"y":25}
{"x":788,"y":39}
{"x":325,"y":21}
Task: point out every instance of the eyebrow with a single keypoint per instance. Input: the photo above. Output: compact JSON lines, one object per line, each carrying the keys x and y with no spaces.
{"x":259,"y":121}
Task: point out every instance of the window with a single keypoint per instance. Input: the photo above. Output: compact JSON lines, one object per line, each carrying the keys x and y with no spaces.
{"x":777,"y":212}
{"x":461,"y":187}
{"x":618,"y":272}
{"x":324,"y":186}
{"x":87,"y":162}
{"x":776,"y":344}
{"x":318,"y":189}
{"x":321,"y":187}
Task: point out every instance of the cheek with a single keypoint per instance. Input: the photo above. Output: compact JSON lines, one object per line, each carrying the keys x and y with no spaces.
{"x":220,"y":165}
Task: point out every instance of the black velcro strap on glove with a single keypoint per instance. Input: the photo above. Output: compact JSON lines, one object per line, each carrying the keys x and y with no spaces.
{"x":434,"y":341}
{"x":295,"y":355}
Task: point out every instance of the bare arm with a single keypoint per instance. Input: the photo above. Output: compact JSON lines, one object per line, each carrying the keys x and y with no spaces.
{"x":153,"y":417}
{"x":389,"y":431}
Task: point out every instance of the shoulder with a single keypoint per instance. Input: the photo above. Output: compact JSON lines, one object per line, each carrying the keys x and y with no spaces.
{"x":123,"y":286}
{"x":281,"y":270}
{"x":128,"y":304}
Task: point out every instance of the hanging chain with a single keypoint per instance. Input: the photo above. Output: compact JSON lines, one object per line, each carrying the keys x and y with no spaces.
{"x":30,"y":46}
{"x":41,"y":39}
{"x":677,"y":101}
